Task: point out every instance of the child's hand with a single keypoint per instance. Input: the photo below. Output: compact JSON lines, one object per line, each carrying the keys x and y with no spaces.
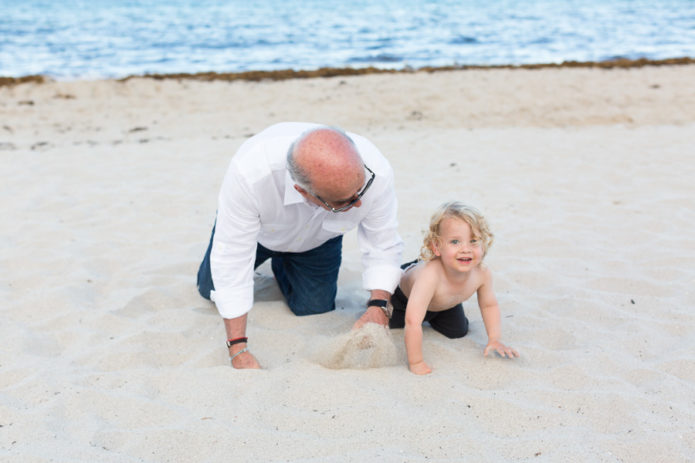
{"x":501,"y":349}
{"x":420,"y":368}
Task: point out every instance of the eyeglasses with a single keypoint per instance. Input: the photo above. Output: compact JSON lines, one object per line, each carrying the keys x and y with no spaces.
{"x":352,"y":202}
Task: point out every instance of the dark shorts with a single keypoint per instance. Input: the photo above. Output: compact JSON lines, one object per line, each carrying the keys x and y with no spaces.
{"x":452,"y":322}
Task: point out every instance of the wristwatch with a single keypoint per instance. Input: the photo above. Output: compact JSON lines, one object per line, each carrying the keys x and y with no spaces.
{"x":383,"y":304}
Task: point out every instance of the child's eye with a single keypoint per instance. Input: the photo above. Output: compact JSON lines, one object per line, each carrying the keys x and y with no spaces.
{"x":454,"y":241}
{"x":474,"y":241}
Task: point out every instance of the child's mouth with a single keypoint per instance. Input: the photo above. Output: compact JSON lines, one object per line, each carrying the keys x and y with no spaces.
{"x":465,"y":259}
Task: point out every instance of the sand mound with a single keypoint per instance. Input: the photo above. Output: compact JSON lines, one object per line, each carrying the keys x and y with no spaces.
{"x":368,"y":347}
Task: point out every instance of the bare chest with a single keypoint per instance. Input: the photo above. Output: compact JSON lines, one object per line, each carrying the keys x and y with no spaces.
{"x":448,"y":295}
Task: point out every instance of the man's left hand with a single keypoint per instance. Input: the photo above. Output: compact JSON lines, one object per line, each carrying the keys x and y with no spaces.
{"x":373,"y":314}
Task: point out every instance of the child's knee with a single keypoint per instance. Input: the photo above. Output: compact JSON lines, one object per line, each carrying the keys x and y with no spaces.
{"x":452,"y":332}
{"x":457,"y":333}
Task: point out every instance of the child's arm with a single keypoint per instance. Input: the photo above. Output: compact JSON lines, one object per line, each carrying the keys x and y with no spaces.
{"x":420,"y":296}
{"x":490,"y":311}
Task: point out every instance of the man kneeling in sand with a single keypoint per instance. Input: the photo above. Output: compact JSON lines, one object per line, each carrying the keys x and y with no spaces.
{"x":290,"y":194}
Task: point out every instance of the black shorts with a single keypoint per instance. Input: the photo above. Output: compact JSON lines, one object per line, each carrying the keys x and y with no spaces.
{"x":452,"y":322}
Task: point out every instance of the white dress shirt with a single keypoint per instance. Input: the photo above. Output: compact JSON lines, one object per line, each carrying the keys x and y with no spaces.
{"x":258,"y":204}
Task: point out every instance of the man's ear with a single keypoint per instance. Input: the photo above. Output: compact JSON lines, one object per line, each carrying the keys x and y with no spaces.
{"x":306,"y":195}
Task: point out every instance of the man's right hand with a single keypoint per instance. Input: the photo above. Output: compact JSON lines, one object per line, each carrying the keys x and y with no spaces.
{"x":236,"y":329}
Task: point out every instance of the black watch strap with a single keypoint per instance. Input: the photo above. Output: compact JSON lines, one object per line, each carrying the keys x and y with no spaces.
{"x":383,"y":304}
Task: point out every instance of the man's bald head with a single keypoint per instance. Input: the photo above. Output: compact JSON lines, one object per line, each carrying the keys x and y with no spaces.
{"x":325,"y":162}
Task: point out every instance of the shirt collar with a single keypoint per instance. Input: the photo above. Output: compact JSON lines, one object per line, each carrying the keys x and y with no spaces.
{"x":292,"y":196}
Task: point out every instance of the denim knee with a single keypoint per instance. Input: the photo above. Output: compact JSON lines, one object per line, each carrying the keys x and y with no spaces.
{"x":309,"y":280}
{"x":317,"y":301}
{"x":204,"y":282}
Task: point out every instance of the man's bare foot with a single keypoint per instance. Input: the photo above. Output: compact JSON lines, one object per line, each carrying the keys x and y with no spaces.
{"x":371,"y":315}
{"x":244,"y":360}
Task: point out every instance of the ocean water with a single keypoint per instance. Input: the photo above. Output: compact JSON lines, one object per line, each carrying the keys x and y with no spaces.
{"x":113,"y":38}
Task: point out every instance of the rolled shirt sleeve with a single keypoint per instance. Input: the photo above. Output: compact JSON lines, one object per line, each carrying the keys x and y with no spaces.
{"x":234,"y":246}
{"x":378,"y":237}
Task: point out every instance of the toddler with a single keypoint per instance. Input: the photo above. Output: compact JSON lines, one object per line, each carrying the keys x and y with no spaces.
{"x":449,"y":271}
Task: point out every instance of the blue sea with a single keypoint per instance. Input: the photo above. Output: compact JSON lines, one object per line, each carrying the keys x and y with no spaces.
{"x":70,"y":39}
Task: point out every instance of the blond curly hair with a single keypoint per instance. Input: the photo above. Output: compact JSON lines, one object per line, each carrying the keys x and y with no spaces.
{"x":456,"y":210}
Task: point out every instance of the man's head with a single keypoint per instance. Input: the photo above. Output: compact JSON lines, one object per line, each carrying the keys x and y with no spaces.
{"x":327,"y":169}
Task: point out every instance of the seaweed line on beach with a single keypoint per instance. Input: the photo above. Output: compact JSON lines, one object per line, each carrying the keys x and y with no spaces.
{"x":285,"y":74}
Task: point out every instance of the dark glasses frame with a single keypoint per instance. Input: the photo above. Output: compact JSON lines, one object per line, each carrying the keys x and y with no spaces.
{"x":357,"y":197}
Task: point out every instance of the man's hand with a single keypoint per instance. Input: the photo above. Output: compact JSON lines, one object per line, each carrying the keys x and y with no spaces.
{"x":373,"y":314}
{"x":501,"y":349}
{"x":243,"y":361}
{"x":236,"y":330}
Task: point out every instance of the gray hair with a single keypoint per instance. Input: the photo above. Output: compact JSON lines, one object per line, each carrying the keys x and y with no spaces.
{"x":299,"y":175}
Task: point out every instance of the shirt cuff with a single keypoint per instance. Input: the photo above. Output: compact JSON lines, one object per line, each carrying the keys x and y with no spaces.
{"x":233,"y":302}
{"x":384,"y":277}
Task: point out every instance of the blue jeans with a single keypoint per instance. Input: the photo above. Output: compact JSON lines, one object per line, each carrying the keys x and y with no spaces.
{"x":308,"y":280}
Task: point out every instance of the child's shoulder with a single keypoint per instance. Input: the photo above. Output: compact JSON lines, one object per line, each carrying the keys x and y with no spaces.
{"x":433,"y":266}
{"x":414,"y":268}
{"x":422,"y":269}
{"x":421,"y":264}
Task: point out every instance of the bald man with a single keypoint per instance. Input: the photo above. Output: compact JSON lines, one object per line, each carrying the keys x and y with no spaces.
{"x":289,"y":195}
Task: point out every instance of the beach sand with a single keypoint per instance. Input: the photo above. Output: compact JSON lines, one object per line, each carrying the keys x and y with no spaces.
{"x":109,"y":192}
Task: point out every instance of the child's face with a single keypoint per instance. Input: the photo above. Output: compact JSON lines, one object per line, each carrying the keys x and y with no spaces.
{"x":457,"y":247}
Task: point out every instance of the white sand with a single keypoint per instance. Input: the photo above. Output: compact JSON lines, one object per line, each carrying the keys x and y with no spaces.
{"x":108,"y":354}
